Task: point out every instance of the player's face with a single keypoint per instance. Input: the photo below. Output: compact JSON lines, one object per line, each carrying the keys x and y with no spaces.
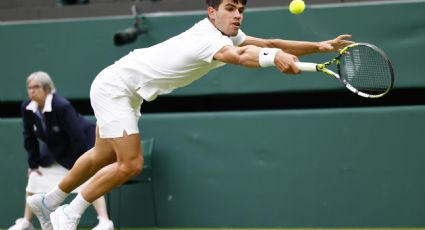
{"x":228,"y":17}
{"x":36,"y":92}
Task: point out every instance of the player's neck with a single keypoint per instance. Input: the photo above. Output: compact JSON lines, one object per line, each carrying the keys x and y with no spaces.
{"x":212,"y":22}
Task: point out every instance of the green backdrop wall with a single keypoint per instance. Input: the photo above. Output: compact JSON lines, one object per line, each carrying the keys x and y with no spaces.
{"x":311,"y":167}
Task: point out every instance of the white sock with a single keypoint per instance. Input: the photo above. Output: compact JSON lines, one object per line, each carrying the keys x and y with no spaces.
{"x":54,"y":198}
{"x":77,"y":206}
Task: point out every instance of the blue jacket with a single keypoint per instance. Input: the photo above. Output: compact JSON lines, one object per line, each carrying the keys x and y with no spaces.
{"x":66,"y":136}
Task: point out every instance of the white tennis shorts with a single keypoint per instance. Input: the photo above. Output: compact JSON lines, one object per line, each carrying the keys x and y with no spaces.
{"x":49,"y":178}
{"x":116,"y":105}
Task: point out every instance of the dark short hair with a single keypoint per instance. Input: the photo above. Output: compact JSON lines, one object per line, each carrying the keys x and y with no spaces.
{"x":215,"y":3}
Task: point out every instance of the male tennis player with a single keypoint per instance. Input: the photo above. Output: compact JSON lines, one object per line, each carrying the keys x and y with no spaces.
{"x":118,"y":91}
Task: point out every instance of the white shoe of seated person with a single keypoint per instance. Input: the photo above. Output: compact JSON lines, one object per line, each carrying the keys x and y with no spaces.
{"x":104,"y":224}
{"x":22,"y":224}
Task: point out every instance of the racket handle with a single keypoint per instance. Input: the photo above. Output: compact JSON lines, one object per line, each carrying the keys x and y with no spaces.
{"x":306,"y":66}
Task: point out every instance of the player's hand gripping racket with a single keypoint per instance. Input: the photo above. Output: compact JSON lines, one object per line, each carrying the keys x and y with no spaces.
{"x":363,"y":68}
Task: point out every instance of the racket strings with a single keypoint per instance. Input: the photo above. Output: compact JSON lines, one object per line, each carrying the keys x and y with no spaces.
{"x":366,"y":69}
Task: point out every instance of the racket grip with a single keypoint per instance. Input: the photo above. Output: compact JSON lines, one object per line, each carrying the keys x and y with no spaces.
{"x":306,"y":66}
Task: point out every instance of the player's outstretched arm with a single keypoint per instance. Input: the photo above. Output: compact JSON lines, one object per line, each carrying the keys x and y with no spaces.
{"x":253,"y":56}
{"x":299,"y":48}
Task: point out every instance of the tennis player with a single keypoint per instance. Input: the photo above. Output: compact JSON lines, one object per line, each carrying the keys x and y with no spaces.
{"x":119,"y":90}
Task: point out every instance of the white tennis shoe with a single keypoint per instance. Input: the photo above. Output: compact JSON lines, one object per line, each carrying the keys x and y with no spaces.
{"x":104,"y":224}
{"x":22,"y":224}
{"x":39,"y":208}
{"x":62,"y":221}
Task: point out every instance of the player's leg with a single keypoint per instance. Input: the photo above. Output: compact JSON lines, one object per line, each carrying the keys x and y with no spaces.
{"x":129,"y":163}
{"x":117,"y":109}
{"x":88,"y":164}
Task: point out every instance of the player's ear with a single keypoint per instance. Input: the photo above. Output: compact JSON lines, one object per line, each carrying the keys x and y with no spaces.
{"x":211,"y":13}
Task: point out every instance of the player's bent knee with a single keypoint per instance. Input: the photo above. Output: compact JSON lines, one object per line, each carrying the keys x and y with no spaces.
{"x":133,"y":167}
{"x":140,"y":163}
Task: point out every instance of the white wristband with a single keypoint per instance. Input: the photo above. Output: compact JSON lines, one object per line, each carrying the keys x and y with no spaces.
{"x":266,"y":56}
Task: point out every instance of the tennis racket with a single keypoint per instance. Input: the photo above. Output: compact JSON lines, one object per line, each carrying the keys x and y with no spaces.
{"x":363,"y":68}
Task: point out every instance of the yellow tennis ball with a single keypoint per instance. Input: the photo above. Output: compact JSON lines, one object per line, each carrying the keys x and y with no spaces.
{"x":297,"y":6}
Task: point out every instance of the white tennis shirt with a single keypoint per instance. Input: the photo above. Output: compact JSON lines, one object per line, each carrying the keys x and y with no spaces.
{"x":176,"y":62}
